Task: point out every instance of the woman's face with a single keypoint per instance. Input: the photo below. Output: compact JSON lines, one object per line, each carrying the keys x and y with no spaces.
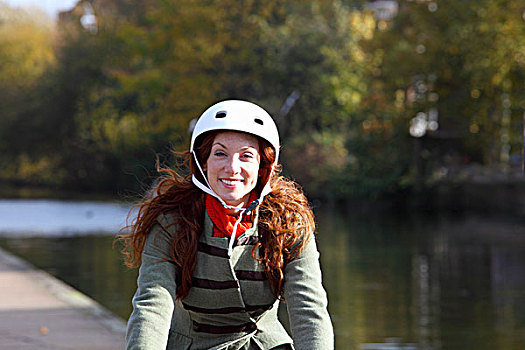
{"x":233,"y":166}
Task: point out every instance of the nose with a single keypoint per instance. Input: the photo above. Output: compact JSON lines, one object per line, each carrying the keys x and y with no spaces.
{"x":234,"y":165}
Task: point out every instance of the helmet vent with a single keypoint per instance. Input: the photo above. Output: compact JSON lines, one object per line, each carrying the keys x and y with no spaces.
{"x":220,"y":115}
{"x":258,"y":121}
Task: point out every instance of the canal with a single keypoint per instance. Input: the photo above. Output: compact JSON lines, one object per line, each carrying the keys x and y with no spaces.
{"x":411,"y":280}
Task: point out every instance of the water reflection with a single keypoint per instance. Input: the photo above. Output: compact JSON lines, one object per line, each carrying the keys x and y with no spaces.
{"x":394,"y":282}
{"x":439,"y":282}
{"x":389,"y":344}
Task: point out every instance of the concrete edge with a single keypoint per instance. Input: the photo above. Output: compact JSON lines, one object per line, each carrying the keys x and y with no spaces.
{"x":65,"y":293}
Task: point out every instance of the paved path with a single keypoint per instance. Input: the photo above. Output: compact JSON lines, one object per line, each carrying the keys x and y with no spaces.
{"x":38,"y":311}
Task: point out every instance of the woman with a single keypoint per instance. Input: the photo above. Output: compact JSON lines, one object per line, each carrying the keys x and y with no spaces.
{"x":219,"y":248}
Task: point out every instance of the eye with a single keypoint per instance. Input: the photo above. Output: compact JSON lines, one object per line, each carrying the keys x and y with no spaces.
{"x":219,"y":153}
{"x":248,"y":155}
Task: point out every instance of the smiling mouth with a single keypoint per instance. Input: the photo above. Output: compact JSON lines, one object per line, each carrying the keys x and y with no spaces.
{"x":230,"y":182}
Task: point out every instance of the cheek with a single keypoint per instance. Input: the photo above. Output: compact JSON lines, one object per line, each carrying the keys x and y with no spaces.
{"x":211,"y":168}
{"x":254,"y":172}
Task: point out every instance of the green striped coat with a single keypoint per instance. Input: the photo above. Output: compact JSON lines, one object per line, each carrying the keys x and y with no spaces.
{"x":230,"y":304}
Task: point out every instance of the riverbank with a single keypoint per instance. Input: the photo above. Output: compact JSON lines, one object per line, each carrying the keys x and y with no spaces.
{"x":465,"y":188}
{"x":477,"y":189}
{"x":39,"y":311}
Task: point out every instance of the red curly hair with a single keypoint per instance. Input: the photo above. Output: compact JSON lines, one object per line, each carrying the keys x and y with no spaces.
{"x":286,"y":221}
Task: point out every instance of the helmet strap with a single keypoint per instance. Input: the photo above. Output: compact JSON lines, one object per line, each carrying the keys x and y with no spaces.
{"x":207,"y":188}
{"x":243,"y":211}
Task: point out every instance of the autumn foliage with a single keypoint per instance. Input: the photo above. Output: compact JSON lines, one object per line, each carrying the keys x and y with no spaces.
{"x":89,"y":103}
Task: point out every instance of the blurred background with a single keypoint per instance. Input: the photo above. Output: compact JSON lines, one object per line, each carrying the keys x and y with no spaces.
{"x":403,"y":120}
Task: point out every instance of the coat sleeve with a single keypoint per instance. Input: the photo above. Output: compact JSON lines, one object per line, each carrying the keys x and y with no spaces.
{"x":153,"y":302}
{"x":307,"y":301}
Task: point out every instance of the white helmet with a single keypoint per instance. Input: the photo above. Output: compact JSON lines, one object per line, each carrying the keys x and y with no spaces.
{"x":241,"y":116}
{"x":234,"y":115}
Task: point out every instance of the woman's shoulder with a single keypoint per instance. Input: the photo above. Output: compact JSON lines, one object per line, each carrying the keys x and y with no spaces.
{"x":167,"y":222}
{"x":162,"y":232}
{"x":166,"y":218}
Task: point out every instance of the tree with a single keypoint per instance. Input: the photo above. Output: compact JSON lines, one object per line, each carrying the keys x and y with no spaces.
{"x":173,"y":56}
{"x":455,"y":63}
{"x":26,"y":53}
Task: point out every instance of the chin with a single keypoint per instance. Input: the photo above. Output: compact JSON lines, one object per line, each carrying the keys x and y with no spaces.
{"x":232,"y":201}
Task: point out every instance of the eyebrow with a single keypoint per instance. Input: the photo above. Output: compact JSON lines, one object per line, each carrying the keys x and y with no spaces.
{"x":223,"y":146}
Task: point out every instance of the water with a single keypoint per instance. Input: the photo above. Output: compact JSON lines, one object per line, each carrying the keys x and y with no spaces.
{"x":23,"y":217}
{"x":417,"y":281}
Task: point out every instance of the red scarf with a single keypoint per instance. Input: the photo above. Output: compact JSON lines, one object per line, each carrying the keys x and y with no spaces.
{"x":222,"y":222}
